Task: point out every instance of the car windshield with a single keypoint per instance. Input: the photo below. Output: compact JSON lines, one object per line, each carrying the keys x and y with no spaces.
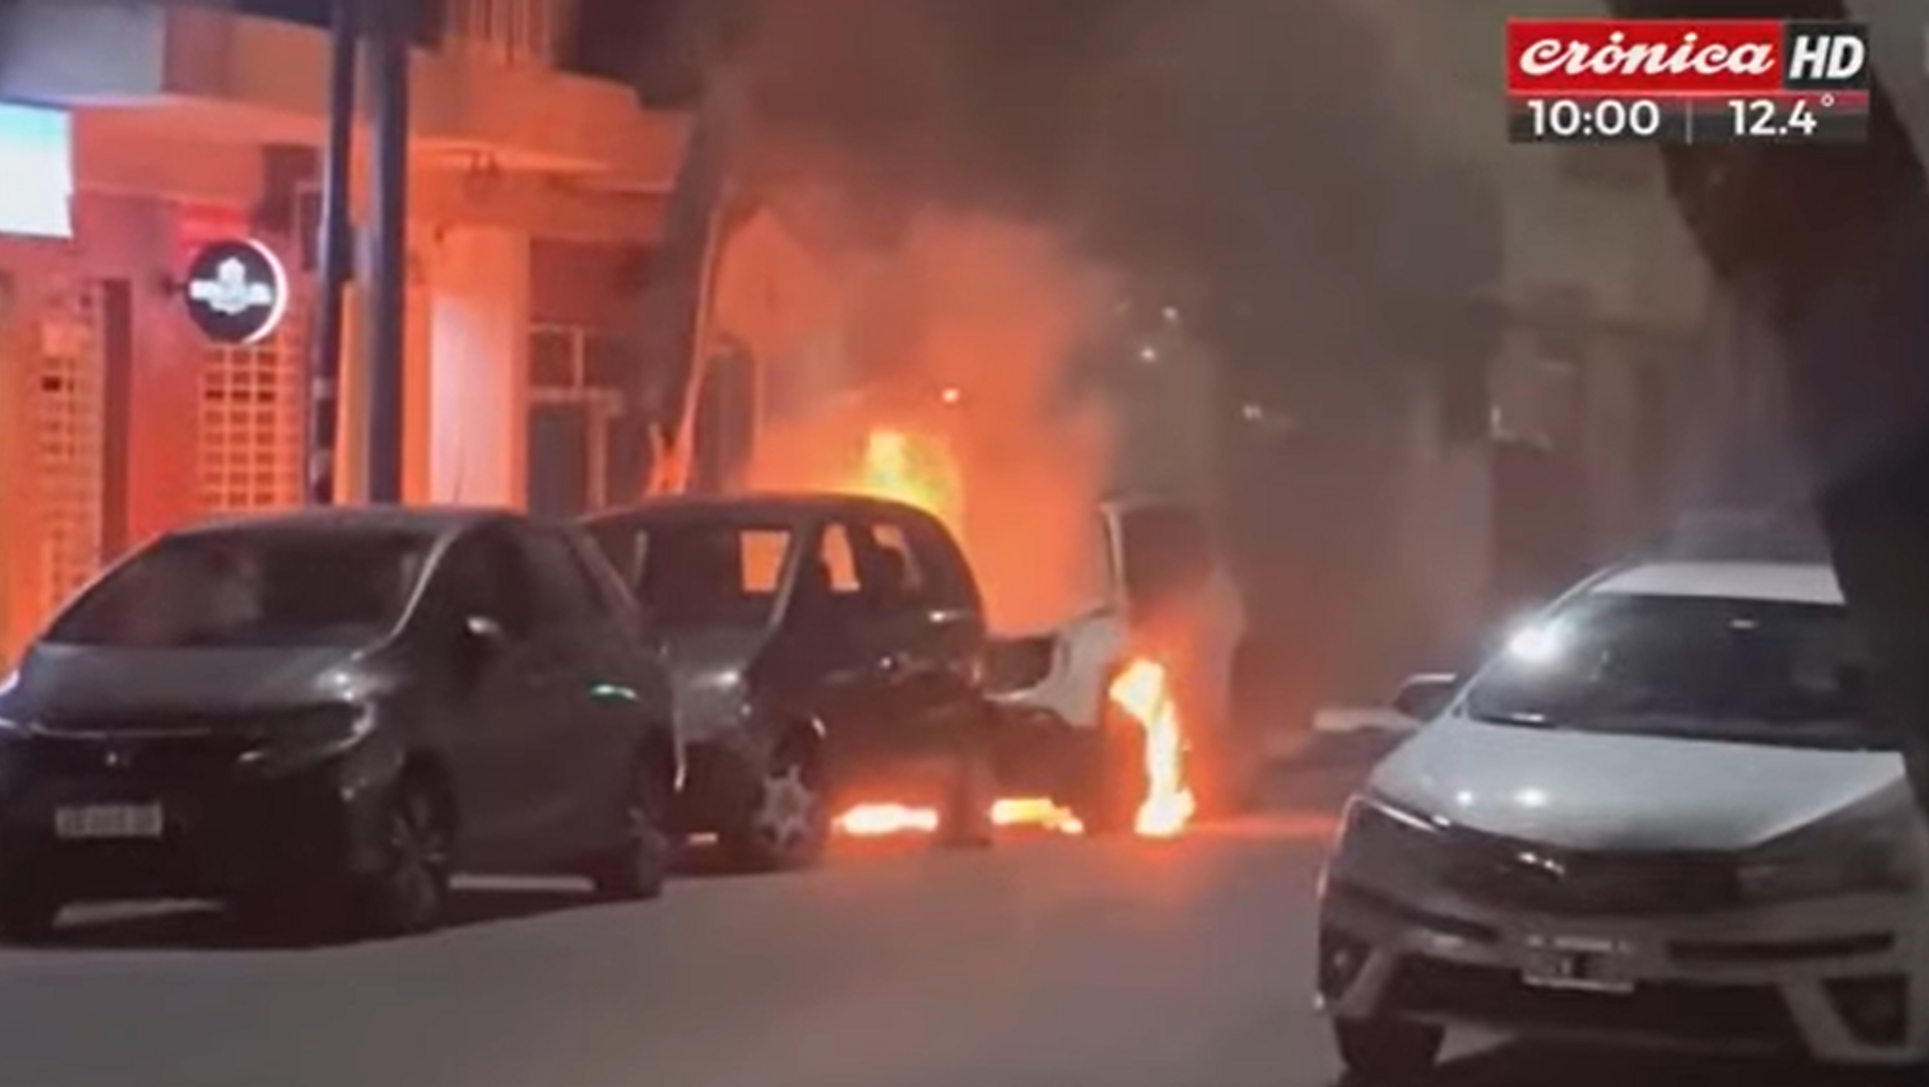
{"x":251,"y":589}
{"x":711,"y":575}
{"x":1748,"y":671}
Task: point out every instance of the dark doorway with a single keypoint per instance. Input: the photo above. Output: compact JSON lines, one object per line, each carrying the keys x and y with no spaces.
{"x":559,"y":460}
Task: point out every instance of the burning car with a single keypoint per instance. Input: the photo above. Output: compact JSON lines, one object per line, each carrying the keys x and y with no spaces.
{"x":825,"y":654}
{"x":1124,"y":714}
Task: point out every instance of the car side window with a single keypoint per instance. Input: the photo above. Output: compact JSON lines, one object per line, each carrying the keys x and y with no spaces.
{"x":612,"y":592}
{"x":483,"y":575}
{"x":893,"y":575}
{"x":1167,"y":552}
{"x":948,"y":582}
{"x":837,"y":550}
{"x":623,"y":546}
{"x":564,"y":595}
{"x":828,"y":586}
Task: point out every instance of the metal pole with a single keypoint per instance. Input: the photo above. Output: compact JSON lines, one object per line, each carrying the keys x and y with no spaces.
{"x":337,"y":256}
{"x":391,"y":23}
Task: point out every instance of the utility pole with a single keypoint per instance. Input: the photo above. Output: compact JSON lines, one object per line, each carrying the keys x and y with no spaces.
{"x":390,"y":24}
{"x":337,"y":255}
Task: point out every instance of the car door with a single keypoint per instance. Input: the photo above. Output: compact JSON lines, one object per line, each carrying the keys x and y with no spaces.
{"x":583,"y":728}
{"x":482,"y":603}
{"x":927,"y":613}
{"x":823,"y":637}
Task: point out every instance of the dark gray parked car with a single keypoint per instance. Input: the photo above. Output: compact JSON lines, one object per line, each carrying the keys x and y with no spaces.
{"x":824,"y":651}
{"x":320,"y":716}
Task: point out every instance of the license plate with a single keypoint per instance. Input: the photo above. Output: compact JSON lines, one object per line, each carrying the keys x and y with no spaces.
{"x":96,"y":822}
{"x":1577,"y":964}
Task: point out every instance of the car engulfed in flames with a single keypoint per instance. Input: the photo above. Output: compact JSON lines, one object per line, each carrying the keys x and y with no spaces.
{"x":921,"y":470}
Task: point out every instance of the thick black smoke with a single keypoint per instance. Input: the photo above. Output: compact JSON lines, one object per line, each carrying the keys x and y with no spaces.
{"x":1248,"y":152}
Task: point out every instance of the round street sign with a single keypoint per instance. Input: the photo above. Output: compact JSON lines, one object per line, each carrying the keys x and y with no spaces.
{"x":237,"y":291}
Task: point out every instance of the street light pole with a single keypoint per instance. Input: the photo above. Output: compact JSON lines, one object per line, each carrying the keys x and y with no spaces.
{"x":337,"y":255}
{"x":390,"y":24}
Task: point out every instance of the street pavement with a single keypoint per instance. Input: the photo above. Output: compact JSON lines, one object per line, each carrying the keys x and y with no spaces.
{"x":1046,"y":962}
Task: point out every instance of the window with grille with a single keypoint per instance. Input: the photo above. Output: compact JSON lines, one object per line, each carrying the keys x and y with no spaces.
{"x":68,"y":414}
{"x":581,"y":455}
{"x":251,"y":424}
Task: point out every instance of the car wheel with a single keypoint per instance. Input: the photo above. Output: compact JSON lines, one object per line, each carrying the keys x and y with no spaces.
{"x":788,"y":823}
{"x":966,"y":821}
{"x":636,"y":870}
{"x":28,"y":917}
{"x":1387,"y":1051}
{"x":410,"y":891}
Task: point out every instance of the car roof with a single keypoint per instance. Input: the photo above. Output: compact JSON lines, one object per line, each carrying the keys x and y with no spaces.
{"x":430,"y":521}
{"x":1792,"y":582}
{"x":790,"y":506}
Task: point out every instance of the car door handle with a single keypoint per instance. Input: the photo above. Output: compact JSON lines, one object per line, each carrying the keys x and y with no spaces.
{"x":893,"y":663}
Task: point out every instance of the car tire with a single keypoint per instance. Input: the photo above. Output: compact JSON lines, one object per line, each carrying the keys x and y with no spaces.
{"x":1387,"y":1051}
{"x":786,"y":825}
{"x":410,"y":892}
{"x":966,"y":822}
{"x":28,"y":917}
{"x":636,"y":870}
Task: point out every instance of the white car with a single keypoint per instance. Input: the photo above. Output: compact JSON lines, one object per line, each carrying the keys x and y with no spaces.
{"x":1168,"y":595}
{"x":1662,"y":816}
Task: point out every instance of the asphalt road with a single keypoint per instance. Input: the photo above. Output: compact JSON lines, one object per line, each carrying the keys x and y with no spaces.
{"x":1047,"y":962}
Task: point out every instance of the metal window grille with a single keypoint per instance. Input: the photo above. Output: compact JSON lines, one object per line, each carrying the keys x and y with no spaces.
{"x":251,"y":424}
{"x":68,"y":418}
{"x":569,"y":368}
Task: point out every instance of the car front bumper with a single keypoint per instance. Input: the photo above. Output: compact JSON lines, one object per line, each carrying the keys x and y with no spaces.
{"x":1837,"y":981}
{"x":227,"y":829}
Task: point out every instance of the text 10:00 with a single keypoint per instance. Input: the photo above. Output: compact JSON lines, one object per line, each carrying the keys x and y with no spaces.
{"x":1565,"y":118}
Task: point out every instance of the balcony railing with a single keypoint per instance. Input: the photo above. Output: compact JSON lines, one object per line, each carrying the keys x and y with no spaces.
{"x":319,"y":13}
{"x":530,"y":32}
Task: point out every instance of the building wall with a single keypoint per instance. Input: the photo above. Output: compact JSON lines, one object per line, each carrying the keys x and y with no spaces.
{"x":157,"y":458}
{"x":535,"y":195}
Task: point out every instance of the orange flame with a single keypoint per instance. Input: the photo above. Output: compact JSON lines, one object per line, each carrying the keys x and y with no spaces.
{"x":1038,"y":812}
{"x":1144,"y":691}
{"x":917,"y":470}
{"x":882,"y":820}
{"x":885,"y":820}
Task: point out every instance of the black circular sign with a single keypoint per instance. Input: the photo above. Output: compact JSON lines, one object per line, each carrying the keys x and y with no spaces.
{"x":237,"y":291}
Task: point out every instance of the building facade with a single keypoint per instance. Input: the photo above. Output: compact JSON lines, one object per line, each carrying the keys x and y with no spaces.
{"x":169,"y":130}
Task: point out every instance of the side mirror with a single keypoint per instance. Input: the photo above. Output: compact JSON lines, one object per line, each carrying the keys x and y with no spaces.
{"x":1422,"y":698}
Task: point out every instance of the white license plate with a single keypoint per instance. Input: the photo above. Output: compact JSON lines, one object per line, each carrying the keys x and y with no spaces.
{"x":96,"y":822}
{"x":1577,"y":964}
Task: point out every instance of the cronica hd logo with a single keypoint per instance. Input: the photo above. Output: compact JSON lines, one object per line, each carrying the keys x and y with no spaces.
{"x":237,"y":291}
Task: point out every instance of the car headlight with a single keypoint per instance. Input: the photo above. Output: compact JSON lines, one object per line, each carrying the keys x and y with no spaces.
{"x":308,"y":734}
{"x":1865,"y":854}
{"x":1379,"y":838}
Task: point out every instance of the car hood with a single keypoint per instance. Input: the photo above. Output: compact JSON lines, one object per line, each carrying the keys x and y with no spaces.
{"x":1602,"y":792}
{"x":93,"y":682}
